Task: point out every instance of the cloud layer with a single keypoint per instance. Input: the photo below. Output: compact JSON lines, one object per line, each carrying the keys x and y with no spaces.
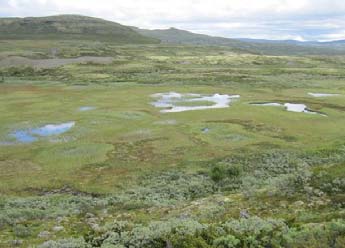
{"x":270,"y":19}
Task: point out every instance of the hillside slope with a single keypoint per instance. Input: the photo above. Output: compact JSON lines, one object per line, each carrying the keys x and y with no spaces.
{"x":69,"y":27}
{"x":75,"y":27}
{"x":177,"y":36}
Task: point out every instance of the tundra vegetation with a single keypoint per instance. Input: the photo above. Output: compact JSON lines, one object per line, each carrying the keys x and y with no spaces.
{"x":127,"y":175}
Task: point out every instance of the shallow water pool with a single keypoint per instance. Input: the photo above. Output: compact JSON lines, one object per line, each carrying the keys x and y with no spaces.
{"x":86,"y":108}
{"x":32,"y":135}
{"x":322,"y":94}
{"x":176,"y":102}
{"x":291,"y":107}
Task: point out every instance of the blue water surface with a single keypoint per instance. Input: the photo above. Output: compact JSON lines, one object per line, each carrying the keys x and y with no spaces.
{"x":86,"y":108}
{"x":32,"y":135}
{"x":23,"y":136}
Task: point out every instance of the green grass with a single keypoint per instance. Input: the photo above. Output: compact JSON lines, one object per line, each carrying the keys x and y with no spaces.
{"x":125,"y":160}
{"x":124,"y":116}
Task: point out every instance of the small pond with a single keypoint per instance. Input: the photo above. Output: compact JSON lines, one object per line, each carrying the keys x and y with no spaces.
{"x":322,"y":94}
{"x":176,"y":102}
{"x":32,"y":135}
{"x":86,"y":108}
{"x":291,"y":107}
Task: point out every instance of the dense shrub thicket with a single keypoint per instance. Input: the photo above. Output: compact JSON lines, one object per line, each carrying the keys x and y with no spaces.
{"x":163,"y":190}
{"x":186,"y":233}
{"x":278,"y":174}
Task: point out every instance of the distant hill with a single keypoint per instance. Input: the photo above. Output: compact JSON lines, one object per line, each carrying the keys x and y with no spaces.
{"x":75,"y":27}
{"x":69,"y":27}
{"x":178,"y":36}
{"x":336,"y":42}
{"x":272,"y":41}
{"x":258,"y":46}
{"x":297,"y":42}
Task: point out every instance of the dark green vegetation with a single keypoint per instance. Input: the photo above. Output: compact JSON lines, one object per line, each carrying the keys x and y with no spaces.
{"x":69,"y":27}
{"x":128,"y":176}
{"x":177,"y":36}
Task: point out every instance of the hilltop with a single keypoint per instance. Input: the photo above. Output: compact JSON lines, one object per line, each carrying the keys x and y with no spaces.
{"x":69,"y":27}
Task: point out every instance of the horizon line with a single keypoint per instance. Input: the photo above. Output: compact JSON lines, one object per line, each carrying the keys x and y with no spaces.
{"x":152,"y":29}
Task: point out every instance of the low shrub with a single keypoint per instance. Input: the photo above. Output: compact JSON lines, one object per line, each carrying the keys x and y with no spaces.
{"x":65,"y":243}
{"x":225,"y":170}
{"x":251,"y":232}
{"x":21,"y":231}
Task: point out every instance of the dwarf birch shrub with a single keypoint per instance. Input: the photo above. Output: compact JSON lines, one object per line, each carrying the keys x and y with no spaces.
{"x":65,"y":243}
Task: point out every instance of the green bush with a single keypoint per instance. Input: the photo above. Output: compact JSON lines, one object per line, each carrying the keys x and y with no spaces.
{"x":21,"y":231}
{"x":223,"y":170}
{"x":65,"y":243}
{"x":228,"y":241}
{"x":218,"y":173}
{"x":257,"y":232}
{"x":315,"y":236}
{"x":188,"y":233}
{"x":188,"y":241}
{"x":178,"y":232}
{"x":20,"y":71}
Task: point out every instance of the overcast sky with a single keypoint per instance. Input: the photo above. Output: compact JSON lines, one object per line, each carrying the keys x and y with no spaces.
{"x":268,"y":19}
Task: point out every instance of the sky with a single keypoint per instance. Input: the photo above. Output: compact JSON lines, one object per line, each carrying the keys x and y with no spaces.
{"x":302,"y":20}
